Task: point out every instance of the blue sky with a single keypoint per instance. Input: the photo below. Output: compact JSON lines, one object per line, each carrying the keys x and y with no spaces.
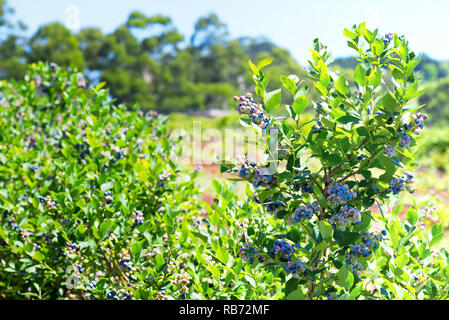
{"x":288,"y":23}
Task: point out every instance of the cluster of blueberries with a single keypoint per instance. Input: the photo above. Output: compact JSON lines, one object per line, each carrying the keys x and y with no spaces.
{"x":108,"y":197}
{"x":389,"y":150}
{"x":419,"y":118}
{"x":73,"y":247}
{"x":363,"y":249}
{"x":283,"y":247}
{"x":114,"y":296}
{"x":304,"y":187}
{"x":405,"y":140}
{"x":339,"y":194}
{"x":286,"y":249}
{"x":304,"y":212}
{"x":388,"y":38}
{"x":295,"y":268}
{"x":347,"y":215}
{"x":162,"y":179}
{"x":283,"y":151}
{"x":250,"y":254}
{"x":125,"y":263}
{"x":245,"y":170}
{"x":83,"y":149}
{"x":138,"y":218}
{"x":91,"y":286}
{"x":406,"y":182}
{"x":48,"y":201}
{"x":24,"y":233}
{"x":263,"y":179}
{"x":38,"y":80}
{"x":248,"y":107}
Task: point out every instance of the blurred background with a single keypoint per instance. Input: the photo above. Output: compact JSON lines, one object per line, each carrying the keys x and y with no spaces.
{"x":189,"y":58}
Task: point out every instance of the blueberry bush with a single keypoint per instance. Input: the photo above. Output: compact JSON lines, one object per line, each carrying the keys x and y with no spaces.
{"x":330,"y":187}
{"x":93,"y":206}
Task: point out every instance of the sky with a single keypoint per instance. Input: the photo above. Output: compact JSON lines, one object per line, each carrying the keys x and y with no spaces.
{"x":288,"y":23}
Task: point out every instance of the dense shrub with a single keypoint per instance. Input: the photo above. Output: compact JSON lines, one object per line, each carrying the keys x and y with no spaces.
{"x":322,"y":187}
{"x":92,"y":206}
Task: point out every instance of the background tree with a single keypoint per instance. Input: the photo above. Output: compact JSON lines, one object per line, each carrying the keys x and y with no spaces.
{"x":12,"y":52}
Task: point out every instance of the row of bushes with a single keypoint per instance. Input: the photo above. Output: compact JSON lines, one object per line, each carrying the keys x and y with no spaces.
{"x":93,"y":207}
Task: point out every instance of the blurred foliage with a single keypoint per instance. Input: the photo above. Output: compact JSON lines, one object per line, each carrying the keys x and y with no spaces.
{"x":146,"y":61}
{"x":436,"y":99}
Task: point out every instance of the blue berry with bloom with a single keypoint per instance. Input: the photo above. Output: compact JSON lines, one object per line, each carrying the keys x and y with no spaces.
{"x":389,"y":151}
{"x":304,"y":187}
{"x":283,"y":151}
{"x":418,"y":122}
{"x":405,"y":140}
{"x":339,"y":194}
{"x":282,"y":247}
{"x":263,"y":179}
{"x":304,"y":212}
{"x":138,"y":218}
{"x":348,"y":215}
{"x":406,"y":182}
{"x":38,"y":80}
{"x":295,"y":268}
{"x":250,"y":254}
{"x":248,"y":107}
{"x":388,"y":38}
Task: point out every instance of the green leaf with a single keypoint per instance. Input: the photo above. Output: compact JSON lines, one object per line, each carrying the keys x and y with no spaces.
{"x":341,"y":86}
{"x":136,"y":248}
{"x":273,"y":100}
{"x":39,"y":256}
{"x":411,"y":216}
{"x":80,"y":229}
{"x":214,"y":270}
{"x":351,"y":35}
{"x":289,"y":84}
{"x":299,"y":105}
{"x":106,"y":225}
{"x":431,"y":289}
{"x":375,"y":78}
{"x":216,"y":185}
{"x":97,"y":234}
{"x":436,"y":234}
{"x":348,"y":119}
{"x":321,"y":89}
{"x":159,"y":261}
{"x":411,"y":66}
{"x":360,"y":75}
{"x":168,"y":220}
{"x":291,"y":285}
{"x":325,"y":230}
{"x":296,"y":295}
{"x":390,"y":102}
{"x":223,"y":255}
{"x":3,"y":234}
{"x":251,"y":281}
{"x":294,"y":235}
{"x":401,"y":261}
{"x":254,"y":69}
{"x":264,"y":62}
{"x":412,"y":92}
{"x":345,"y":278}
{"x":107,"y":186}
{"x":378,"y":47}
{"x":345,"y":238}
